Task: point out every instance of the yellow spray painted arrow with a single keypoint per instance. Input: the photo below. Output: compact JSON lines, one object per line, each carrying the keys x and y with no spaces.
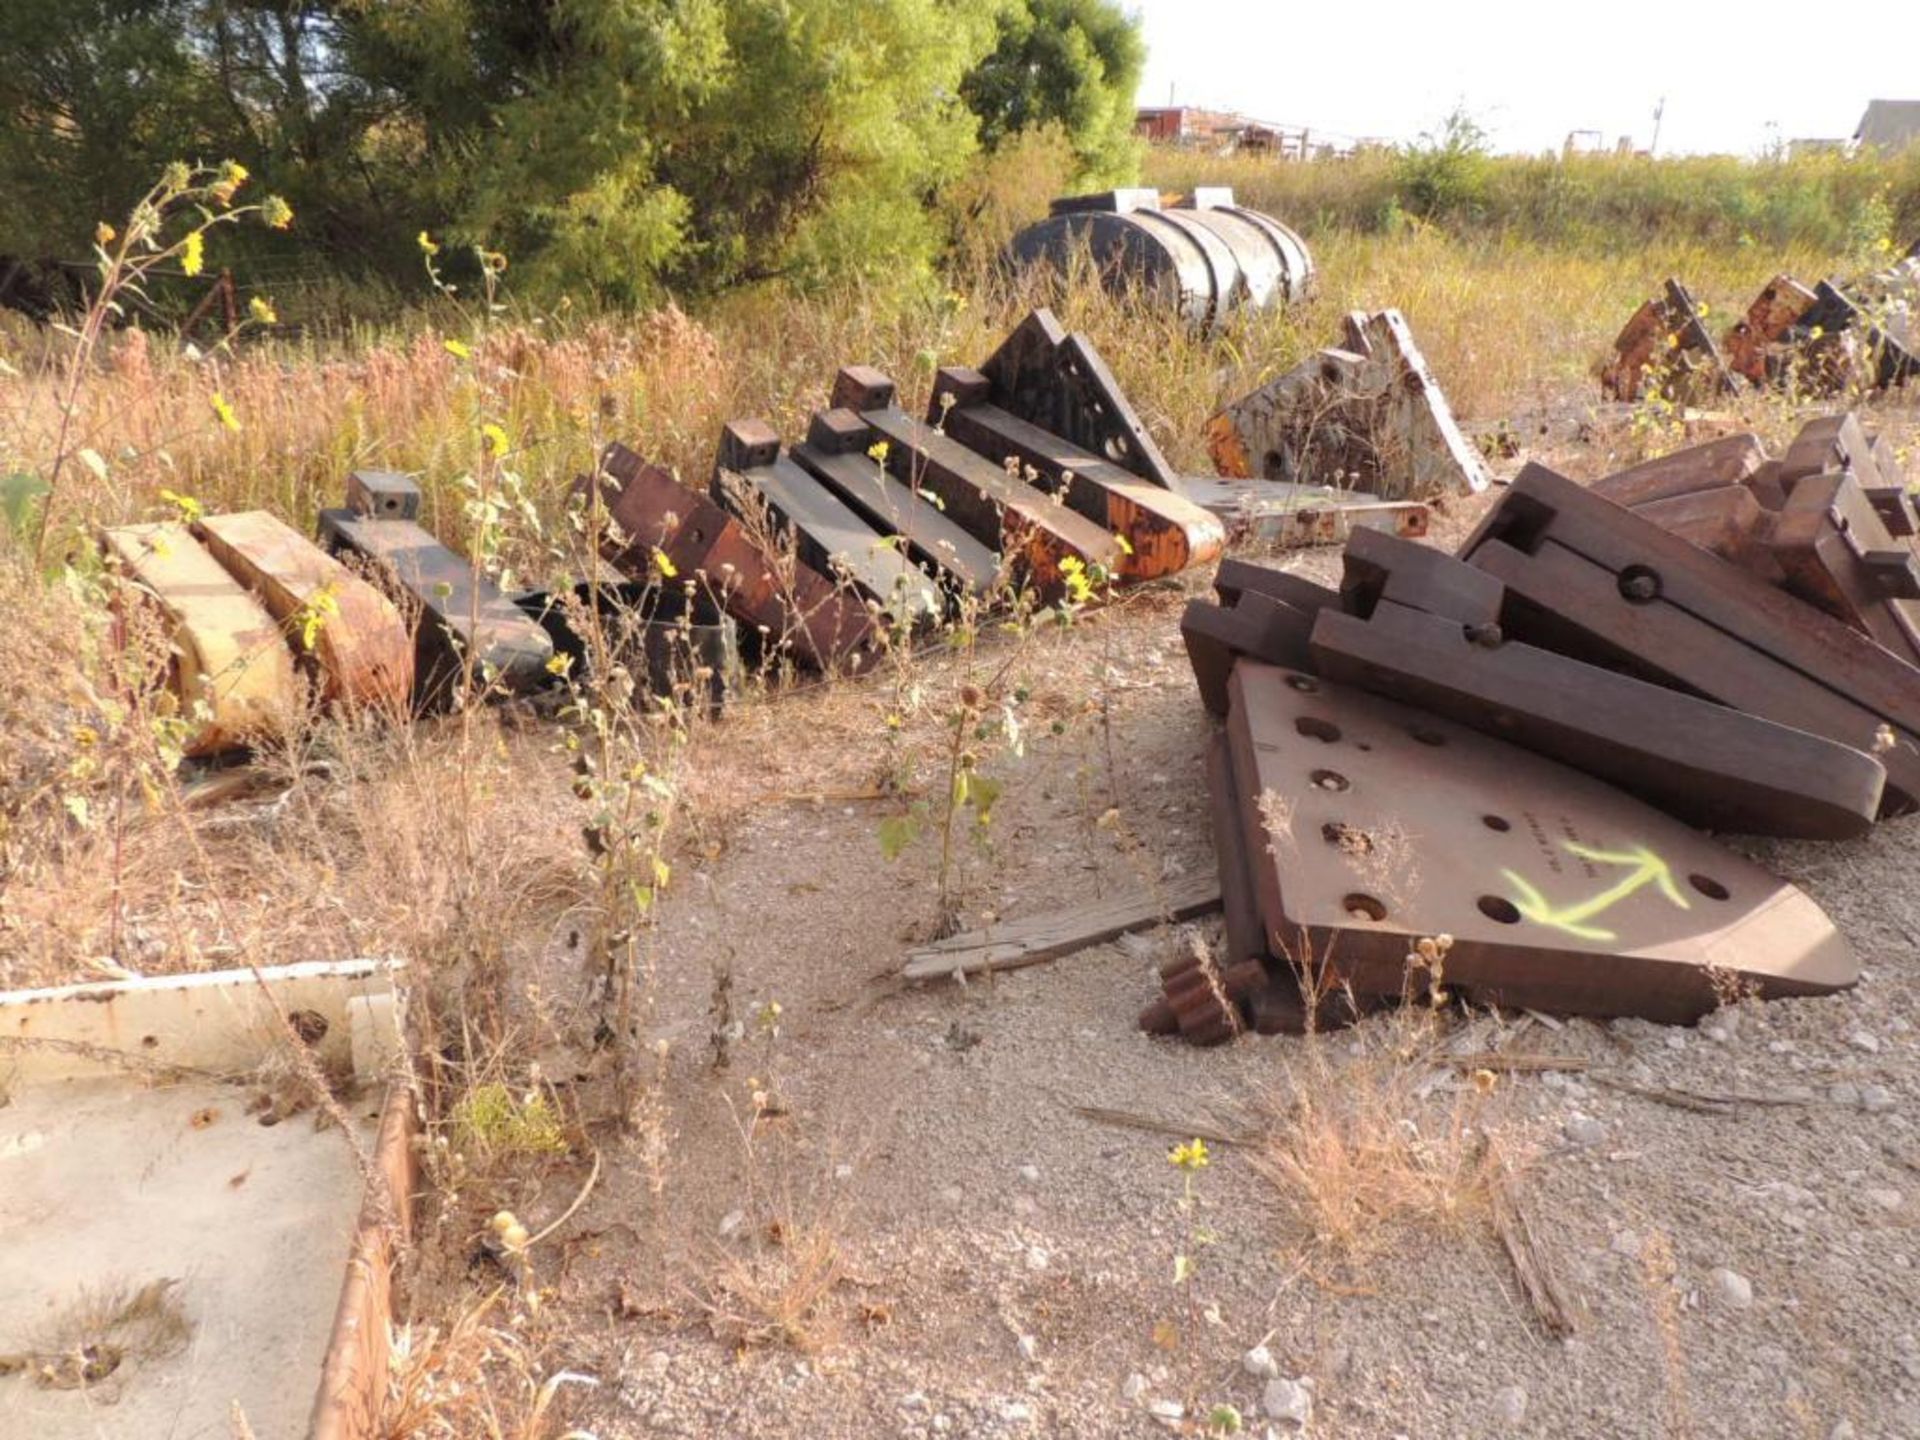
{"x":1647,"y":869}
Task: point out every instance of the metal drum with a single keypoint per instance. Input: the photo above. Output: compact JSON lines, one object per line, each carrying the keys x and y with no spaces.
{"x":1203,"y":257}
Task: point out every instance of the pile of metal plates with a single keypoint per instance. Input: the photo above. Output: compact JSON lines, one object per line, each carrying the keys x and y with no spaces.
{"x":1023,"y":475}
{"x":1488,"y":774}
{"x":1358,"y":435}
{"x":1826,"y":339}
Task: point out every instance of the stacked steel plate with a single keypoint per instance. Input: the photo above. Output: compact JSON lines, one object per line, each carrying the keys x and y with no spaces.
{"x":1488,"y":774}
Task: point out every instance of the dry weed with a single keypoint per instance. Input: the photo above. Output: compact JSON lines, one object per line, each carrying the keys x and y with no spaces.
{"x":474,"y":1380}
{"x":1363,"y":1159}
{"x":94,"y":1339}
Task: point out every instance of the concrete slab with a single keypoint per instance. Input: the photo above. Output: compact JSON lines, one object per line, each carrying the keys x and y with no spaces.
{"x":112,"y":1183}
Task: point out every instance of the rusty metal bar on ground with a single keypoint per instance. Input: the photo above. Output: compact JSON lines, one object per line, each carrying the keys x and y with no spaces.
{"x":468,"y":633}
{"x":1165,"y":532}
{"x":232,"y":672}
{"x":995,"y":507}
{"x":1057,"y":381}
{"x":828,"y":536}
{"x":351,"y":632}
{"x":1592,"y":579}
{"x":777,"y":599}
{"x":836,"y":453}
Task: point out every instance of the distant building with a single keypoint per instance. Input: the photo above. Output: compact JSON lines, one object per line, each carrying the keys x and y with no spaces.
{"x":1889,"y":124}
{"x":1183,"y":125}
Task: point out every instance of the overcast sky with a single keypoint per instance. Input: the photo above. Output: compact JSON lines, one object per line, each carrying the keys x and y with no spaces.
{"x":1734,"y":75}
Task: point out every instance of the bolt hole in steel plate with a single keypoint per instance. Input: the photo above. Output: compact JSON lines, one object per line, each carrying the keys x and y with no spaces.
{"x":1364,"y":908}
{"x":1639,"y":584}
{"x":1500,"y":909}
{"x":1602,"y":912}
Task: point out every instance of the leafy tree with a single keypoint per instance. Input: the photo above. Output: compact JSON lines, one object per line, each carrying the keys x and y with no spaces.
{"x":607,"y":146}
{"x":1076,"y":63}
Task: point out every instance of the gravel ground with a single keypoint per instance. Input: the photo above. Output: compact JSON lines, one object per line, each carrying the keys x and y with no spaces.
{"x":1743,"y":1268}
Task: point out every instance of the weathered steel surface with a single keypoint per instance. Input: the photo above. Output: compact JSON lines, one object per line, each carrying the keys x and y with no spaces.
{"x":355,"y":1376}
{"x":1728,"y":460}
{"x":359,"y":641}
{"x":1369,"y":416}
{"x":674,"y":637}
{"x":1728,"y":521}
{"x":383,"y":495}
{"x":1380,"y":568}
{"x":1059,"y":382}
{"x":994,"y":506}
{"x":1257,"y":626}
{"x":1236,"y":578}
{"x":752,"y":472}
{"x":1591,"y":579}
{"x":1559,"y":892}
{"x":1666,"y":343}
{"x":1201,"y":259}
{"x":836,"y":453}
{"x":1165,"y":532}
{"x":1707,"y":764}
{"x":1835,"y":551}
{"x":232,"y":672}
{"x":1287,"y":515}
{"x":1757,"y":346}
{"x":781,"y":601}
{"x":468,"y":634}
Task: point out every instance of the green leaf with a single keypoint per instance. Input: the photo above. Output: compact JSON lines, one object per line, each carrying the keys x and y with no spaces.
{"x":897,"y":832}
{"x":18,"y":492}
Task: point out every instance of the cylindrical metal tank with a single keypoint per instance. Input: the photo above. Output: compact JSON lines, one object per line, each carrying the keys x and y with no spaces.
{"x":1205,"y":257}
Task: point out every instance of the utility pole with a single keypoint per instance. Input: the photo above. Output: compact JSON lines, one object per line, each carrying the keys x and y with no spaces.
{"x":1658,"y":111}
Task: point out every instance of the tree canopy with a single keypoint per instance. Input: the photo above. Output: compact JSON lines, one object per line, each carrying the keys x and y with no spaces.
{"x":610,"y":147}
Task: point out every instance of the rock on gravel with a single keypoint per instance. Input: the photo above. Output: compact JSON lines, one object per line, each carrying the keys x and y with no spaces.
{"x":1288,"y":1401}
{"x":1259,"y":1362}
{"x":1584,"y":1130}
{"x":1510,"y":1405}
{"x":1731,"y":1288}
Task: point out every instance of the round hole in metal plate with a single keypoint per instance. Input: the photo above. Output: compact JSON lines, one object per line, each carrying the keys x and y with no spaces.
{"x":1499,"y":908}
{"x":1329,"y":780}
{"x":1639,"y":584}
{"x":1363,"y":907}
{"x":1305,"y":684}
{"x":1314,"y":728}
{"x":1709,"y":887}
{"x":1426,"y":736}
{"x":1496,"y":822}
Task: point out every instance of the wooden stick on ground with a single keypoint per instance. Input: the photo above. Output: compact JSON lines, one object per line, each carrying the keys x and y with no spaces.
{"x":1040,"y":938}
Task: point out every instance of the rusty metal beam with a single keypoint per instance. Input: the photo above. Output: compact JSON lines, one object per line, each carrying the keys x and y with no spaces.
{"x":359,"y":642}
{"x":752,"y":473}
{"x":1058,"y":381}
{"x":1165,"y":532}
{"x":1591,"y":579}
{"x":1707,"y":764}
{"x":996,"y":508}
{"x":836,"y":453}
{"x":1728,"y":460}
{"x":467,"y":632}
{"x":232,"y":673}
{"x":783,"y":603}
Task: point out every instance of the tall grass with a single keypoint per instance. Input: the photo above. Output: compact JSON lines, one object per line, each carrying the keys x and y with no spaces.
{"x":1505,"y":322}
{"x":1592,"y":202}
